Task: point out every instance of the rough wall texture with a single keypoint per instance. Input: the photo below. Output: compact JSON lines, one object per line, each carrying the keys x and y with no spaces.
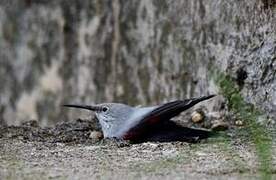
{"x":137,"y":52}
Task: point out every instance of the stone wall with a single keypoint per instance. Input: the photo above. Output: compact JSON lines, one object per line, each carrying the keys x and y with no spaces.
{"x":136,"y":52}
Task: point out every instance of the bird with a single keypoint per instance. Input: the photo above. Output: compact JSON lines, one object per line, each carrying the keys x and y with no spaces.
{"x":146,"y":124}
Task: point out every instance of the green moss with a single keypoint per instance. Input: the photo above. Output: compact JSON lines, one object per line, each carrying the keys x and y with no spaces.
{"x":249,"y":114}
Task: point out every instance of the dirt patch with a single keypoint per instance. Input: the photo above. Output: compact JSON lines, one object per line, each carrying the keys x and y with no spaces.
{"x":65,"y":132}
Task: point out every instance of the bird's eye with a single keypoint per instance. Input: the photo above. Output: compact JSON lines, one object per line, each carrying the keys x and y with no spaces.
{"x":105,"y":109}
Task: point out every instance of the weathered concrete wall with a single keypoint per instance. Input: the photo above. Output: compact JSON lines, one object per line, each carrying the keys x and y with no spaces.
{"x":137,"y":52}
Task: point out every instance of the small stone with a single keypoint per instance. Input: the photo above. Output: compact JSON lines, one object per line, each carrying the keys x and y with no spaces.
{"x":197,"y":117}
{"x":219,"y":126}
{"x":96,"y":135}
{"x":238,"y":123}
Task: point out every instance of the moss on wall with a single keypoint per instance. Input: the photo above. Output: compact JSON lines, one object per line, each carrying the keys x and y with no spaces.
{"x":256,"y":132}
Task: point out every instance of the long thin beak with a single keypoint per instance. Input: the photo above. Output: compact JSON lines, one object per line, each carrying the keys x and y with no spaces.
{"x":91,"y":108}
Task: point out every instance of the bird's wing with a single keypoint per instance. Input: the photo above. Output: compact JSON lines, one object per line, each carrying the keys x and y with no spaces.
{"x":172,"y":109}
{"x":162,"y":113}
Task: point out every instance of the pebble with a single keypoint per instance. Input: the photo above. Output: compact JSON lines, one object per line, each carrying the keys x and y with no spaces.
{"x":197,"y":116}
{"x":96,"y":135}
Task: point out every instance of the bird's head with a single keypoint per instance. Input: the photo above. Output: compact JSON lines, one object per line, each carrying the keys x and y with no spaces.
{"x":108,"y":114}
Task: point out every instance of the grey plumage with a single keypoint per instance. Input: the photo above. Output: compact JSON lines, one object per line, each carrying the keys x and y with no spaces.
{"x":135,"y":123}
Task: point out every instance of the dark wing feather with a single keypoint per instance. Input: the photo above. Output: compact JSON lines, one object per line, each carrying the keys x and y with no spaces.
{"x":163,"y":113}
{"x":169,"y":131}
{"x":172,"y":109}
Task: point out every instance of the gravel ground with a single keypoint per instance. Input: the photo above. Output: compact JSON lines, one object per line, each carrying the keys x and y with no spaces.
{"x":68,"y":152}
